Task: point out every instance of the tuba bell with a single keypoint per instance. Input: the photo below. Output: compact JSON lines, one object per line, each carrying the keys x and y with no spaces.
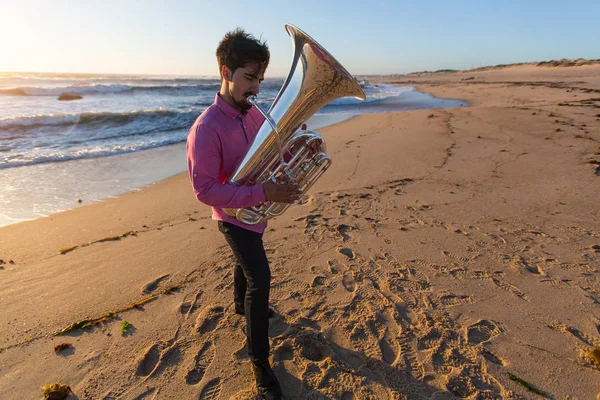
{"x":315,"y":79}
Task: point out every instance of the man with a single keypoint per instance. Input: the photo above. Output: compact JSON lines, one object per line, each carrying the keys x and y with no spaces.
{"x":216,"y":143}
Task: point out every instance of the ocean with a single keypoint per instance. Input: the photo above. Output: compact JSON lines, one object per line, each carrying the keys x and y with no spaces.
{"x":124,"y":133}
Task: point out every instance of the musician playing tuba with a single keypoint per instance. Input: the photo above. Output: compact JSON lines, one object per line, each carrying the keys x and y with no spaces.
{"x":216,"y":142}
{"x":250,"y":164}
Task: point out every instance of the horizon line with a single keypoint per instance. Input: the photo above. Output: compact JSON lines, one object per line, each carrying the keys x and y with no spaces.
{"x":583,"y":61}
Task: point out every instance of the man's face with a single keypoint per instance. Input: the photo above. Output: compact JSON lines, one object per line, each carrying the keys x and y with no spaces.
{"x":245,"y":82}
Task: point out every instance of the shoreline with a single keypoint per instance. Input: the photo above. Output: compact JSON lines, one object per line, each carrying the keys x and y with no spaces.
{"x":444,"y":252}
{"x":89,"y":180}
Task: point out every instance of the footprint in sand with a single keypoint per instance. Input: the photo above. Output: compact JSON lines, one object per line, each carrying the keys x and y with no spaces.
{"x":149,"y":360}
{"x":333,"y":266}
{"x":461,"y":386}
{"x":402,"y":286}
{"x":455,"y":256}
{"x":509,"y":288}
{"x":245,"y":394}
{"x":212,"y":390}
{"x":288,"y":289}
{"x":313,"y":310}
{"x":389,"y":350}
{"x":491,"y":357}
{"x":342,"y":230}
{"x":518,"y":263}
{"x":318,"y":280}
{"x":313,"y":350}
{"x":282,"y":290}
{"x":309,"y":323}
{"x":413,"y":366}
{"x":348,"y":282}
{"x":430,"y":340}
{"x":355,"y":361}
{"x":346,"y":251}
{"x":453,"y":300}
{"x":203,"y":360}
{"x":209,"y":318}
{"x":315,"y":269}
{"x":169,"y":358}
{"x":482,"y":331}
{"x":583,"y":337}
{"x":153,"y":284}
{"x":189,"y":307}
{"x":185,"y":307}
{"x":535,"y":269}
{"x":242,"y":352}
{"x":146,"y":395}
{"x":286,"y":370}
{"x":277,"y":325}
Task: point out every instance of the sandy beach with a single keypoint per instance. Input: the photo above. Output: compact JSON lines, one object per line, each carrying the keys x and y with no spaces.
{"x":449,"y":253}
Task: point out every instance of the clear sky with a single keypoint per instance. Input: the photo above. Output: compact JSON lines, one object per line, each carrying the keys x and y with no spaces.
{"x":367,"y":37}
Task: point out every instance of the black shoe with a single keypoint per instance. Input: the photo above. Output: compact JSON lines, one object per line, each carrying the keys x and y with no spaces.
{"x":266,"y":381}
{"x":240,"y":311}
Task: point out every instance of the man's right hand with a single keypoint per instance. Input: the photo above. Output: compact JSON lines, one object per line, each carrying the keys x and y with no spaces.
{"x":281,"y":192}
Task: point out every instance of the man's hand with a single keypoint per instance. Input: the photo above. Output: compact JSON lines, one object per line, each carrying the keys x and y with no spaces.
{"x":281,"y":192}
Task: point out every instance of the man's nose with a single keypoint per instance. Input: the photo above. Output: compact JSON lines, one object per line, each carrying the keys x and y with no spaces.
{"x":256,"y":88}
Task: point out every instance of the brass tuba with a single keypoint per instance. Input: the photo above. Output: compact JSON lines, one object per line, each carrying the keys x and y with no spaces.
{"x":315,"y":79}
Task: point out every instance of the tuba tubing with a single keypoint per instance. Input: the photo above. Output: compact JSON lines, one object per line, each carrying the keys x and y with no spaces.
{"x":315,"y":79}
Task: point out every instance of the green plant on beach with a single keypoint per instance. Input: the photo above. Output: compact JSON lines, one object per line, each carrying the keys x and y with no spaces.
{"x":125,"y":326}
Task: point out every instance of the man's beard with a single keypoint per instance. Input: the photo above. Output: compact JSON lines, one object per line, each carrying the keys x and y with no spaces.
{"x":242,"y":104}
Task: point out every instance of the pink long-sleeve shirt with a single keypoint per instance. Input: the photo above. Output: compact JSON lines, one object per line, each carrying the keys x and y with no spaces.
{"x":216,"y":143}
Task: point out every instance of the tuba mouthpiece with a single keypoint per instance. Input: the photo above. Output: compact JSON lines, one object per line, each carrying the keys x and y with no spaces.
{"x":251,"y":100}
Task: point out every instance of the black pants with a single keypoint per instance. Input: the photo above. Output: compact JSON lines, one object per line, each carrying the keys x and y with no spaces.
{"x":252,"y":282}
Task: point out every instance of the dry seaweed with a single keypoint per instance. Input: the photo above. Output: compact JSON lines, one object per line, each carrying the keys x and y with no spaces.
{"x":65,"y":250}
{"x":56,"y":391}
{"x":63,"y":346}
{"x":170,"y":290}
{"x":113,"y":238}
{"x":87,"y":323}
{"x":594,"y":355}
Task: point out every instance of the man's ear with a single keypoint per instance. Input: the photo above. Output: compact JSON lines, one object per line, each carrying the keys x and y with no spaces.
{"x":226,"y":73}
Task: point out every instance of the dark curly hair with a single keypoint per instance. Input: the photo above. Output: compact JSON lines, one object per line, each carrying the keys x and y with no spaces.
{"x":239,"y":48}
